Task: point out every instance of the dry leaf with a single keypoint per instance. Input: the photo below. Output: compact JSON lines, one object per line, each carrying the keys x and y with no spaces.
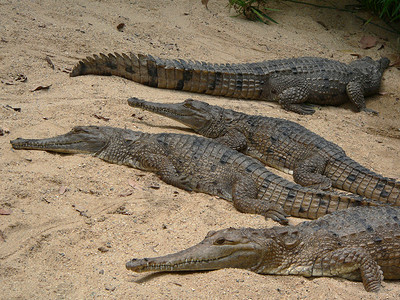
{"x":18,"y":109}
{"x":49,"y":62}
{"x":101,"y":117}
{"x":367,"y":42}
{"x":205,"y":3}
{"x":41,"y":87}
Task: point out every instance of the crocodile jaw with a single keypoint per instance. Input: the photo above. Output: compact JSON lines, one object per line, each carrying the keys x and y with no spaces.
{"x":81,"y":139}
{"x":208,"y":255}
{"x":192,"y":113}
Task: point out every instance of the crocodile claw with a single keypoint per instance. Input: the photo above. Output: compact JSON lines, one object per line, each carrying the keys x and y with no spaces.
{"x":370,"y":111}
{"x":276,"y":213}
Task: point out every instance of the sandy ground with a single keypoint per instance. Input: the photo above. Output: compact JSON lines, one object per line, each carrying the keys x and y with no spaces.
{"x":75,"y":220}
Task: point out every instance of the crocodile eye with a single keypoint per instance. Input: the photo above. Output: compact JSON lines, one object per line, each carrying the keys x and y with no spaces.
{"x":188,"y":103}
{"x":219,"y":241}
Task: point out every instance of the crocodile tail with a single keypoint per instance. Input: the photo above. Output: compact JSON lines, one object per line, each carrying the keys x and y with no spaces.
{"x":303,"y":202}
{"x":313,"y":204}
{"x":348,"y":175}
{"x":245,"y":81}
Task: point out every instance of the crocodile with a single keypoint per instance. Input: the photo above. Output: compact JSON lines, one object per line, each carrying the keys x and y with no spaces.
{"x":195,"y":163}
{"x":282,"y":144}
{"x":357,"y":244}
{"x":291,"y":82}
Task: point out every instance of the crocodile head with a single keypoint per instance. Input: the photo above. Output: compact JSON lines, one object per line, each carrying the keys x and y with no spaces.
{"x":208,"y":120}
{"x":227,"y":248}
{"x":105,"y":142}
{"x":372,"y":71}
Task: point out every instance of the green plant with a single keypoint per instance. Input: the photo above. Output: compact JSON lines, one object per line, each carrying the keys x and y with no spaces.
{"x":253,"y":9}
{"x":386,"y":9}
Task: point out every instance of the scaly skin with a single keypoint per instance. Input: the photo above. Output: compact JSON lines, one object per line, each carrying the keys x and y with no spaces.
{"x":357,"y":244}
{"x":202,"y":165}
{"x":291,"y":82}
{"x":282,"y":144}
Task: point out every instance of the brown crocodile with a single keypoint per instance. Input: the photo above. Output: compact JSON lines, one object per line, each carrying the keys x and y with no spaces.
{"x":203,"y":165}
{"x":291,"y":82}
{"x":356,"y":244}
{"x":282,"y":144}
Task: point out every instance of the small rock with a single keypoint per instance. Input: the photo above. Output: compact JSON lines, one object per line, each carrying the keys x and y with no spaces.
{"x":103,"y":249}
{"x":121,"y":26}
{"x":110,"y":287}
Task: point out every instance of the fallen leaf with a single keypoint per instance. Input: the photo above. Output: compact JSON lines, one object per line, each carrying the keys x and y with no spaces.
{"x":41,"y":87}
{"x":18,"y":109}
{"x":5,"y":212}
{"x":49,"y":62}
{"x":367,"y":42}
{"x":101,"y":117}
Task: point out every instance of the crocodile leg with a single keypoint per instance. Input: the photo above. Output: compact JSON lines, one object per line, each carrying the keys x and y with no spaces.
{"x":233,"y":139}
{"x":244,"y":196}
{"x":356,"y":95}
{"x":309,"y":173}
{"x":164,"y":168}
{"x":291,"y":93}
{"x":348,"y":260}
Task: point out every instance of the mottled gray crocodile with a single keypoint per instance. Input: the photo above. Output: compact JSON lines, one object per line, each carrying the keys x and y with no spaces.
{"x":203,"y":165}
{"x":291,"y":82}
{"x":282,"y":144}
{"x":357,"y":244}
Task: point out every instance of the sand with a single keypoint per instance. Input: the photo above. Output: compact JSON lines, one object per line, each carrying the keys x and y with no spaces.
{"x":71,"y":222}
